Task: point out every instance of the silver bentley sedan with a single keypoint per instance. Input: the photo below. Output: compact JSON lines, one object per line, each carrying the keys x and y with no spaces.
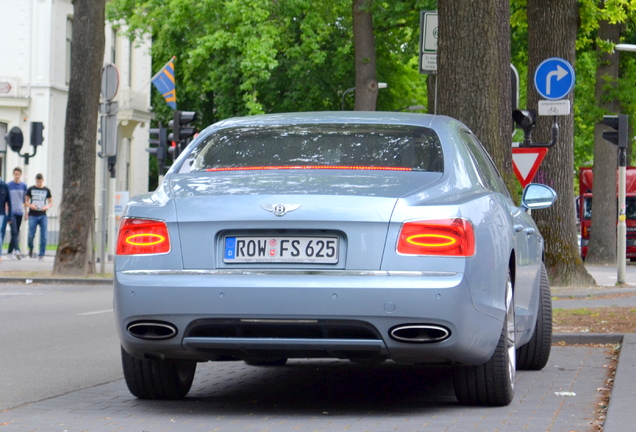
{"x":367,"y":236}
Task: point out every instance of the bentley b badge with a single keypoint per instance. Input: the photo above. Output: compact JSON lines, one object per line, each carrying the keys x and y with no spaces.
{"x":280,"y":209}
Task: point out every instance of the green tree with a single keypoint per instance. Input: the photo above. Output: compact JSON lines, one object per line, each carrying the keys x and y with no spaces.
{"x":247,"y":57}
{"x":591,"y":76}
{"x":602,"y":248}
{"x":474,"y":55}
{"x":75,"y":255}
{"x":365,"y":56}
{"x":557,"y":223}
{"x":606,"y":19}
{"x":240,"y":57}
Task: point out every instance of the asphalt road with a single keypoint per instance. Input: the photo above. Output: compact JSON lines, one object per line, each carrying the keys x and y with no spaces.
{"x":54,"y":340}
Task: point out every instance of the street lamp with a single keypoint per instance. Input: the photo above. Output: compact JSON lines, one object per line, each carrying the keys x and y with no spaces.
{"x":381,"y":85}
{"x":625,"y":47}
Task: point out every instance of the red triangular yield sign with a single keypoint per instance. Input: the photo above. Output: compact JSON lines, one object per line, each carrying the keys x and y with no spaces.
{"x":526,"y":162}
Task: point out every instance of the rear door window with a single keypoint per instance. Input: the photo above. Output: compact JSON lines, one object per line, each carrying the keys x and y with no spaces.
{"x":484,"y":164}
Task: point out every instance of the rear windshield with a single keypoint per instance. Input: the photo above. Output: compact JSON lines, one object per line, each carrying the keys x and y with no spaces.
{"x":318,"y":146}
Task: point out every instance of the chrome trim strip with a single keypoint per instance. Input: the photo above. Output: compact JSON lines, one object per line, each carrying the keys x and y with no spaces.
{"x":275,"y":272}
{"x":283,"y":343}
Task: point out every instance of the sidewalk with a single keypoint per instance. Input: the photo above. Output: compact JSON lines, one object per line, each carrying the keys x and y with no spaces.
{"x":32,"y":270}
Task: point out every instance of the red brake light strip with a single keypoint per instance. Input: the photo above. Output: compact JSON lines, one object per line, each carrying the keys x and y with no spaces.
{"x":310,"y":167}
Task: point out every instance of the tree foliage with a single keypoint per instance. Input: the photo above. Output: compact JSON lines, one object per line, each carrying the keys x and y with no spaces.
{"x":242,"y":57}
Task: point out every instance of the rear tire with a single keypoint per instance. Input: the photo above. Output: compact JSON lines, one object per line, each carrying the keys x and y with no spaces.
{"x":535,"y":354}
{"x":492,"y":384}
{"x":154,"y":379}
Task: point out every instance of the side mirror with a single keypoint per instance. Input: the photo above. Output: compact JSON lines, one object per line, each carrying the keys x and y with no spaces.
{"x":538,"y":196}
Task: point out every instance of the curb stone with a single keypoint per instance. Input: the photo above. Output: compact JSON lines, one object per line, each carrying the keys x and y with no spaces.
{"x":55,"y":281}
{"x":620,"y":415}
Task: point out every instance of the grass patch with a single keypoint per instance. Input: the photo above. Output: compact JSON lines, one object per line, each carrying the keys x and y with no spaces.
{"x":595,"y":320}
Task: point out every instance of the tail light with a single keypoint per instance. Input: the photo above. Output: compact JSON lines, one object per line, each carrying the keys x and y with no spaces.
{"x":142,"y":236}
{"x":446,"y":237}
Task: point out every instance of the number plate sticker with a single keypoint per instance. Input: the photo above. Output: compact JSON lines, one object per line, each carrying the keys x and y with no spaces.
{"x":297,"y":249}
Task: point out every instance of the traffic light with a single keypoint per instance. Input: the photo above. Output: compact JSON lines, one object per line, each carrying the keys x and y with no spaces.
{"x":158,"y":143}
{"x":15,"y":139}
{"x":180,"y":125}
{"x":618,"y":136}
{"x":526,"y":120}
{"x":37,"y":136}
{"x":172,"y":150}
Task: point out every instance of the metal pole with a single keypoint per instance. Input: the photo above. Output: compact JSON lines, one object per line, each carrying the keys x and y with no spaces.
{"x":344,"y":93}
{"x":112,"y":223}
{"x":435,"y":99}
{"x":104,"y":217}
{"x":24,"y":228}
{"x":622,"y":163}
{"x":622,"y":226}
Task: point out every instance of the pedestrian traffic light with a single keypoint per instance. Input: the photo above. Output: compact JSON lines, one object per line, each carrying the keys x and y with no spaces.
{"x":15,"y":139}
{"x":180,"y":125}
{"x":37,"y":136}
{"x":617,"y":136}
{"x":172,"y":150}
{"x":158,"y":146}
{"x":526,"y":120}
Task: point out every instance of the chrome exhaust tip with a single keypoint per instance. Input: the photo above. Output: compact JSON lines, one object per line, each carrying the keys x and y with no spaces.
{"x":152,"y":330}
{"x":419,"y":333}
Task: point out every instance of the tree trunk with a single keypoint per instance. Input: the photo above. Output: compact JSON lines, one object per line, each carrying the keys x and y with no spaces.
{"x":552,"y":27}
{"x":75,"y":254}
{"x":366,"y":82}
{"x":602,"y":246}
{"x":474,"y":74}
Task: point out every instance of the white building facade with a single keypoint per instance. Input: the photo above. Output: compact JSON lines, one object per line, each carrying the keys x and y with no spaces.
{"x":35,"y":51}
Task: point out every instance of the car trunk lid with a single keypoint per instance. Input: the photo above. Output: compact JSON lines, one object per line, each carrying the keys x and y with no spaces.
{"x":351,"y":207}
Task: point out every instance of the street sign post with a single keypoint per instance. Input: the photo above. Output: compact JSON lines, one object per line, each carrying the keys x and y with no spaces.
{"x":554,"y":78}
{"x":428,"y":42}
{"x":108,"y":128}
{"x":110,"y":81}
{"x":108,"y":110}
{"x":526,"y":162}
{"x":554,"y":108}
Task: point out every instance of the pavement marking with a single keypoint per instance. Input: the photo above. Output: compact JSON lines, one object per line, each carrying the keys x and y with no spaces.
{"x":95,"y":312}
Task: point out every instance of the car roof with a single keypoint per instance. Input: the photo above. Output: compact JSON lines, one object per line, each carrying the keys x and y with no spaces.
{"x":336,"y":117}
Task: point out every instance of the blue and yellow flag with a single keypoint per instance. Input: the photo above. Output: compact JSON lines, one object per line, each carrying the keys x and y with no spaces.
{"x":164,"y":81}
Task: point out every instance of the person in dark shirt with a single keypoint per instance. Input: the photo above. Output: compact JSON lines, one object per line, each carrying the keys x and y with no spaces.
{"x":5,"y":211}
{"x":38,"y":200}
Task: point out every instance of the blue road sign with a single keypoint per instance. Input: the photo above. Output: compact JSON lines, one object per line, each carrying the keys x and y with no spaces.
{"x":554,"y":78}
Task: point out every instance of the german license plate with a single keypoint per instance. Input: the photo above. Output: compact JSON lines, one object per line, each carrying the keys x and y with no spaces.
{"x":283,"y":249}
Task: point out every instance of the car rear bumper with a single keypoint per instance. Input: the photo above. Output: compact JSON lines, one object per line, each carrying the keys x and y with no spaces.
{"x":266,"y":314}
